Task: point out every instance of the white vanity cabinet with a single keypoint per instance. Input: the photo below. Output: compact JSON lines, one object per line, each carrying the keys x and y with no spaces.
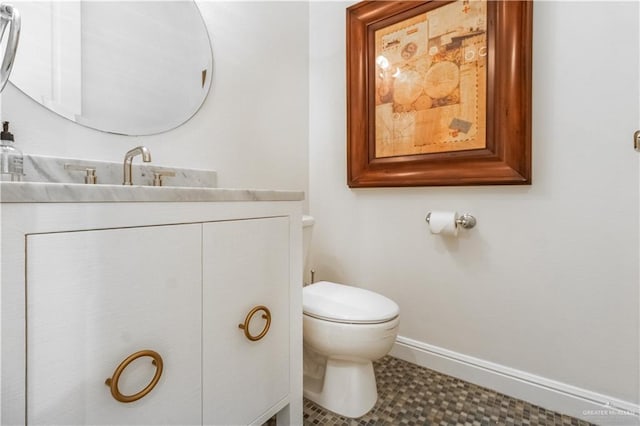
{"x":96,"y":297}
{"x":246,"y":277}
{"x":87,"y":286}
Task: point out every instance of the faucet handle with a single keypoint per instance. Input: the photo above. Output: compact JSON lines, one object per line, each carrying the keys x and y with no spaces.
{"x":90,"y":176}
{"x":158,"y":176}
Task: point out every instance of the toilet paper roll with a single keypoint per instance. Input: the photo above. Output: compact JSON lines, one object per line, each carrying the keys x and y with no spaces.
{"x":443,"y":223}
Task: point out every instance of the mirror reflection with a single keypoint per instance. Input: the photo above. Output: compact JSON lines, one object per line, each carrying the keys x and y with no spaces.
{"x":128,"y":67}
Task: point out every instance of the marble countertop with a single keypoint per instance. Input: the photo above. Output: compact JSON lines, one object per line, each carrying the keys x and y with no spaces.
{"x":40,"y":192}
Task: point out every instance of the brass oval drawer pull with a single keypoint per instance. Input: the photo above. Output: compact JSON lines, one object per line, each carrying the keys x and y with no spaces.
{"x":112,"y":382}
{"x":247,"y":320}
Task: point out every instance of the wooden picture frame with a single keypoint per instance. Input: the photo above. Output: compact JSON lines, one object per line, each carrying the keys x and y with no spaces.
{"x":505,"y":157}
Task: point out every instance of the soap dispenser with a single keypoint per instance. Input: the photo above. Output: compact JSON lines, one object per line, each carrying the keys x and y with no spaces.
{"x":11,"y":160}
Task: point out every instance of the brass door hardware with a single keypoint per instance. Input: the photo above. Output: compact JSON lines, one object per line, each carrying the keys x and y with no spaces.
{"x":636,"y":140}
{"x":247,"y":320}
{"x":112,"y":382}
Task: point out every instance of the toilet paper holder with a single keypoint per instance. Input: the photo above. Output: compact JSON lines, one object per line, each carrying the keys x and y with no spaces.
{"x":465,"y":221}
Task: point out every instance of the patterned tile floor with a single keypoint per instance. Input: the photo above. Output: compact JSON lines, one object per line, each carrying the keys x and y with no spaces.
{"x":413,"y":395}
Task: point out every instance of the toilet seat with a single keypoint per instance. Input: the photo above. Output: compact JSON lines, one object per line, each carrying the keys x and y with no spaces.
{"x":340,"y":303}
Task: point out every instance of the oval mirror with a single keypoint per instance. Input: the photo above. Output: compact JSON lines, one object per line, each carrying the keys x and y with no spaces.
{"x":125,"y":67}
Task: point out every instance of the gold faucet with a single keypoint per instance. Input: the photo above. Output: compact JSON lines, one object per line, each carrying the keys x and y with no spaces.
{"x":128,"y":159}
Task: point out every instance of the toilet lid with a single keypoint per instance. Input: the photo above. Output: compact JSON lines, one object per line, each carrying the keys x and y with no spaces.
{"x":341,"y":303}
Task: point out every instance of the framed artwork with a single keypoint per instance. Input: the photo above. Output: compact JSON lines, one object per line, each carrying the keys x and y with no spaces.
{"x":439,"y":93}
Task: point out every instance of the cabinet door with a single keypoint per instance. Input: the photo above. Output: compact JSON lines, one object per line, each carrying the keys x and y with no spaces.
{"x":245,"y":264}
{"x":96,"y":297}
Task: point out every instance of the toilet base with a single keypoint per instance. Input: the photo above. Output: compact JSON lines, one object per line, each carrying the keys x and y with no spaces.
{"x":348,"y":388}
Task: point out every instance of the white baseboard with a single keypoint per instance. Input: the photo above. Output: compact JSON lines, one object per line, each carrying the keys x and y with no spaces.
{"x":549,"y":394}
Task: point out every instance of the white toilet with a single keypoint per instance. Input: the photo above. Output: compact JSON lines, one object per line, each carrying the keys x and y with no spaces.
{"x":344,"y":329}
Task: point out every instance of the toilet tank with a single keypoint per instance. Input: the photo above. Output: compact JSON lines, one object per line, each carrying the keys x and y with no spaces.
{"x":307,"y":227}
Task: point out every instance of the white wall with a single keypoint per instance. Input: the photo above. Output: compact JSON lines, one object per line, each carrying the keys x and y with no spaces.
{"x":253,"y":127}
{"x":547,"y":282}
